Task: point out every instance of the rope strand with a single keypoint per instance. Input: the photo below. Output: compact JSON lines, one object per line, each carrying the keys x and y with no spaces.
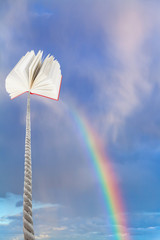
{"x":27,"y":196}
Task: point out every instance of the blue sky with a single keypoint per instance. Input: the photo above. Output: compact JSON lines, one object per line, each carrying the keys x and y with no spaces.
{"x":109,"y":54}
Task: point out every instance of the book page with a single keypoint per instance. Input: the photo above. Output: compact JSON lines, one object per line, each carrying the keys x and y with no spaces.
{"x":35,"y":67}
{"x":48,"y":81}
{"x":17,"y":80}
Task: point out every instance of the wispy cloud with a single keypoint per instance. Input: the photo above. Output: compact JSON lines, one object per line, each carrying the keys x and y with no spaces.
{"x":125,"y":84}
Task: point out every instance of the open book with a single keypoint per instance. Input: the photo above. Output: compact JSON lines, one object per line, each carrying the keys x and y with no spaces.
{"x":34,"y":76}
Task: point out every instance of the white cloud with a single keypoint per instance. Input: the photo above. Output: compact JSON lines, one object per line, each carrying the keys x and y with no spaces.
{"x":42,"y":236}
{"x":62,"y":228}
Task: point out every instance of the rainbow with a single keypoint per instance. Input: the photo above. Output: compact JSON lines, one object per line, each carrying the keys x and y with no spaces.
{"x":104,"y":171}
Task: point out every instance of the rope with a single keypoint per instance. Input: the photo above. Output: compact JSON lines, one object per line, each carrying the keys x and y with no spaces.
{"x":27,"y":196}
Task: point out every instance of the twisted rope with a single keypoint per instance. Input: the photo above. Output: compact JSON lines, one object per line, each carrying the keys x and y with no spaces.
{"x":27,"y":196}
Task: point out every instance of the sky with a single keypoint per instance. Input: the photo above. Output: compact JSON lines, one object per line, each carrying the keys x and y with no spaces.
{"x":109,"y":52}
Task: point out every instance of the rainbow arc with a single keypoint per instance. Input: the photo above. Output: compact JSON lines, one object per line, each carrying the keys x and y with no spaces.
{"x":103,"y":168}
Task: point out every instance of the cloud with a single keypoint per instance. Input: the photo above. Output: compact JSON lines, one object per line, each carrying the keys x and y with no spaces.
{"x":11,"y":206}
{"x":52,"y":222}
{"x":42,"y":236}
{"x":125,"y":87}
{"x":62,"y":228}
{"x":18,"y":237}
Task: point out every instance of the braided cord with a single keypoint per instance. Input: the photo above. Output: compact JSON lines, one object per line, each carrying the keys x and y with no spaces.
{"x":27,"y":196}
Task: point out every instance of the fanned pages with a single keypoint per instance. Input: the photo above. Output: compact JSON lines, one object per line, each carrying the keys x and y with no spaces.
{"x":31,"y":75}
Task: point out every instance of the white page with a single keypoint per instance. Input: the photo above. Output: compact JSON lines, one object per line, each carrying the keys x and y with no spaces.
{"x":34,"y":67}
{"x":47,"y":82}
{"x":17,"y":80}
